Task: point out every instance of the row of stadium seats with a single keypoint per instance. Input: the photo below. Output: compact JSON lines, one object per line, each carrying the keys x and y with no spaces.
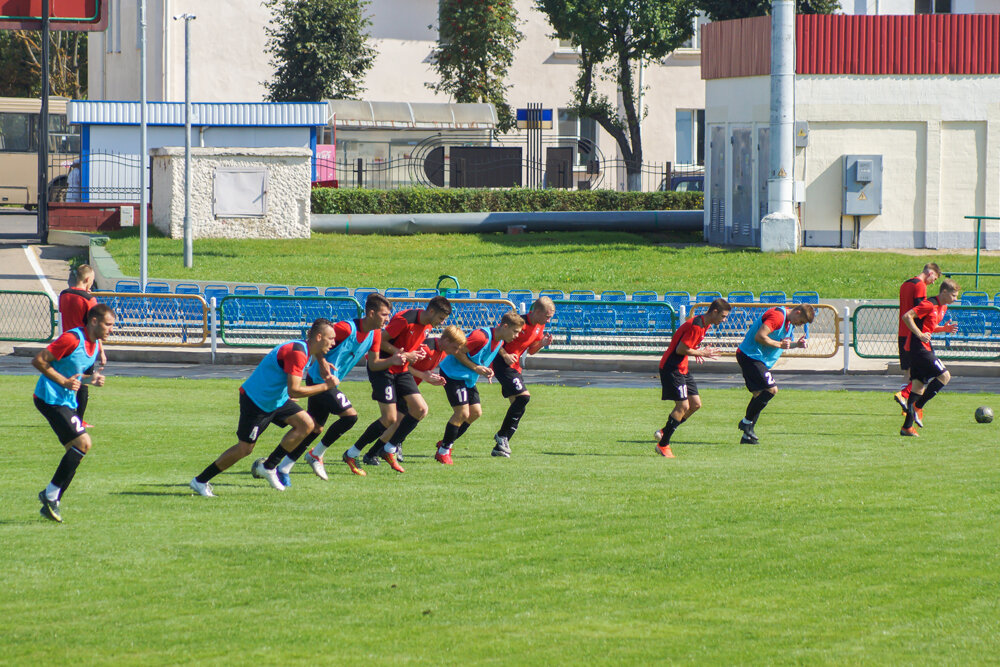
{"x":518,"y":296}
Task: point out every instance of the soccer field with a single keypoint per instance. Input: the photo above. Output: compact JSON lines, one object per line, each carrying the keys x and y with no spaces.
{"x":833,"y":541}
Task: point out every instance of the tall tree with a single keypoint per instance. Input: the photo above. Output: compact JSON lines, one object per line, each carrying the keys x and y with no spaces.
{"x":613,"y":37}
{"x":476,"y":46}
{"x":721,"y":10}
{"x":319,"y":49}
{"x":21,"y":55}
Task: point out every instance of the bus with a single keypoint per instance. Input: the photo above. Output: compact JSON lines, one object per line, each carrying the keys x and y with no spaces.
{"x":19,"y":149}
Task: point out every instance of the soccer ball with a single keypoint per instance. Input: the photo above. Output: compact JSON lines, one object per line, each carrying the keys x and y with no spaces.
{"x":984,"y":415}
{"x":258,"y":466}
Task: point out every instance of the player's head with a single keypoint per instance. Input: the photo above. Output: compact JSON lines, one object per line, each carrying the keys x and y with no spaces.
{"x":718,"y":311}
{"x":378,"y":310}
{"x":100,"y":321}
{"x":84,"y":276}
{"x":510,"y":325}
{"x":948,"y":291}
{"x":452,"y":339}
{"x":542,"y":310}
{"x":321,"y":336}
{"x":801,"y":314}
{"x":437,"y":311}
{"x":930,"y":273}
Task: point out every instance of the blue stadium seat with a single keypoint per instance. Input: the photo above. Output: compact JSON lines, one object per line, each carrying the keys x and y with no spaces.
{"x":157,"y":287}
{"x":568,"y":317}
{"x":425,"y":293}
{"x":127,"y":286}
{"x":336,"y":291}
{"x":285,"y":311}
{"x":521,"y":298}
{"x":975,"y":299}
{"x":635,"y":319}
{"x":397,"y":293}
{"x":645,"y":295}
{"x":489,"y":294}
{"x":601,"y":319}
{"x":552,"y":293}
{"x":218,"y":291}
{"x":186,"y":288}
{"x":361,"y":293}
{"x":805,"y":297}
{"x":246,"y":290}
{"x":306,"y":291}
{"x":678,"y":299}
{"x":582,"y":295}
{"x":661,"y":319}
{"x":996,"y":299}
{"x":613,"y":295}
{"x":709,"y":297}
{"x":313,"y":309}
{"x":275,"y":290}
{"x":773,"y":296}
{"x":460,"y":293}
{"x":733,"y":297}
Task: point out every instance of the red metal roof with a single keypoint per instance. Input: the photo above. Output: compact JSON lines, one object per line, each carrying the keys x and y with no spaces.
{"x":871,"y":45}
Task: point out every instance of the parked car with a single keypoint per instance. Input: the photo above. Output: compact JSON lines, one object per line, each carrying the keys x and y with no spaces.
{"x":685,"y":182}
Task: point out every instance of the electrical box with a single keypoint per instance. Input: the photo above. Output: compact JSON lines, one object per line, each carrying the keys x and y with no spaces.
{"x":862,"y":185}
{"x":801,"y":133}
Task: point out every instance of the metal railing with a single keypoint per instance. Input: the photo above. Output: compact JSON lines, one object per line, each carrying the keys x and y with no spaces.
{"x":265,"y":321}
{"x":27,"y":317}
{"x":611,"y":327}
{"x":823,"y":333}
{"x":876,"y":333}
{"x":157,"y":319}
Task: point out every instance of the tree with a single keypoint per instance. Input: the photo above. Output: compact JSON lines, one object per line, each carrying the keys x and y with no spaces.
{"x":476,"y":47}
{"x":319,"y":49}
{"x":21,"y":53}
{"x":613,"y":37}
{"x":721,"y":10}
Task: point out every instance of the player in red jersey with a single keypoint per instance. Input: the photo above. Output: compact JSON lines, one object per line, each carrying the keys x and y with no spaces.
{"x":73,"y":306}
{"x":927,"y":372}
{"x":507,"y":367}
{"x":677,"y":382}
{"x":911,"y":293}
{"x":403,"y":335}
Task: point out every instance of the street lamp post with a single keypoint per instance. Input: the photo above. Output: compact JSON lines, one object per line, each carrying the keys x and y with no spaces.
{"x":188,"y":242}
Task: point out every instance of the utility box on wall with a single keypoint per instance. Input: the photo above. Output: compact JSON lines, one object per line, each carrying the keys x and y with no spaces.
{"x":862,"y":185}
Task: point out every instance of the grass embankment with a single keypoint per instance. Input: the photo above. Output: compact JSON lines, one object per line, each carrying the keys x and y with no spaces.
{"x":834,"y":541}
{"x":560,"y":260}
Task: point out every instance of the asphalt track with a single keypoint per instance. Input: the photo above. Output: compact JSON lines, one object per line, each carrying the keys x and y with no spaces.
{"x":11,"y":365}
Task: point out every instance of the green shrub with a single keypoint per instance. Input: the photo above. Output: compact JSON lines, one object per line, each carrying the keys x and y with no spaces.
{"x":468,"y":200}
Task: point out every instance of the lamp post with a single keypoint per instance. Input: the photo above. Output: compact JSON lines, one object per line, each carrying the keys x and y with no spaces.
{"x":188,"y":243}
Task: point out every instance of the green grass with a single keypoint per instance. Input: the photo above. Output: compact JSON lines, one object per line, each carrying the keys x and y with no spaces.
{"x":566,"y":261}
{"x":834,"y":541}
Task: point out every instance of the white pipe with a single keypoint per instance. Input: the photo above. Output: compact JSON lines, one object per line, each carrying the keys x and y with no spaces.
{"x":144,"y":157}
{"x":847,"y":339}
{"x":213,"y":319}
{"x":782,"y":158}
{"x":188,"y":243}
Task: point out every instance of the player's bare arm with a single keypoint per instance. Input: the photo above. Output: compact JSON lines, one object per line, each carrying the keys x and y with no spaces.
{"x":43,"y":362}
{"x":377,"y":364}
{"x":911,"y":324}
{"x":296,"y":389}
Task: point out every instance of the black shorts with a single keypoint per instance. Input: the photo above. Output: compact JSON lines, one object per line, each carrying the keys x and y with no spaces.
{"x":63,"y":419}
{"x":511,"y":381}
{"x":904,"y":355}
{"x":253,"y":420}
{"x":677,"y":386}
{"x":459,"y":393}
{"x":330,"y":402}
{"x":756,"y":375}
{"x":388,"y":387}
{"x":924,"y":365}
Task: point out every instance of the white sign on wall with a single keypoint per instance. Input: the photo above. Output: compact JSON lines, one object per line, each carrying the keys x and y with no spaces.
{"x":240,"y":192}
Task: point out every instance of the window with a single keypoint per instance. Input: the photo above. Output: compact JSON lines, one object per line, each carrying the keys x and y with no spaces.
{"x":932,"y":7}
{"x":16,"y":132}
{"x":566,"y":45}
{"x":584,"y":131}
{"x":695,"y":42}
{"x":689,"y":130}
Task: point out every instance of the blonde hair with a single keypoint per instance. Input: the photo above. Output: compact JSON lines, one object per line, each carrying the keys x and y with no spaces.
{"x":454,"y":334}
{"x":84,"y":273}
{"x":949,"y":285}
{"x":543,"y":303}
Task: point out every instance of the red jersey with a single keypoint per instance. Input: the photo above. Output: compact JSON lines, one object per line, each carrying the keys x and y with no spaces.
{"x":530,"y":334}
{"x":691,"y":333}
{"x":407,"y":333}
{"x":431,"y":360}
{"x":341,"y":330}
{"x":73,"y":306}
{"x":911,"y":293}
{"x":926,"y":315}
{"x":64,"y":345}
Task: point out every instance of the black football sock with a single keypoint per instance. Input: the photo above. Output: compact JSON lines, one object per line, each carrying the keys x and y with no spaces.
{"x":339,"y":428}
{"x":306,"y":441}
{"x":462,"y":429}
{"x":208,"y":473}
{"x":274,"y":458}
{"x":756,"y":405}
{"x":371,"y":434}
{"x":929,"y":392}
{"x":67,"y":469}
{"x":910,"y":407}
{"x":82,"y":397}
{"x":405,"y":428}
{"x":450,"y":434}
{"x":668,"y":430}
{"x":513,"y":417}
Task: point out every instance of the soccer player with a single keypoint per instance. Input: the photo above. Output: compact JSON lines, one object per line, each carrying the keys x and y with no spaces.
{"x":73,"y":306}
{"x":404,"y":334}
{"x":911,"y":293}
{"x":677,"y":382}
{"x":507,"y":367}
{"x":461,"y":372}
{"x":65,"y":365}
{"x":928,"y":374}
{"x":765,"y":340}
{"x":353,"y":340}
{"x":265,"y":397}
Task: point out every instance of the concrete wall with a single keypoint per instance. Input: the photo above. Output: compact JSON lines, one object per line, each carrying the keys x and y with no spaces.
{"x":287,"y":214}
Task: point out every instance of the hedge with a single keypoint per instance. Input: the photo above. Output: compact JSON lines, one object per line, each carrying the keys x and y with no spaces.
{"x":473,"y":200}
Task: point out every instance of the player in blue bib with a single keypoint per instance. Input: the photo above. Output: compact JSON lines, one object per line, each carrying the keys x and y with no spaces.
{"x":461,"y":372}
{"x":765,"y":340}
{"x":64,"y":365}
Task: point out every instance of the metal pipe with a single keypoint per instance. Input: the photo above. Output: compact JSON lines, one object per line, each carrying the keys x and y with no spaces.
{"x":782,"y":158}
{"x":42,"y":224}
{"x":188,"y":239}
{"x":144,"y":157}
